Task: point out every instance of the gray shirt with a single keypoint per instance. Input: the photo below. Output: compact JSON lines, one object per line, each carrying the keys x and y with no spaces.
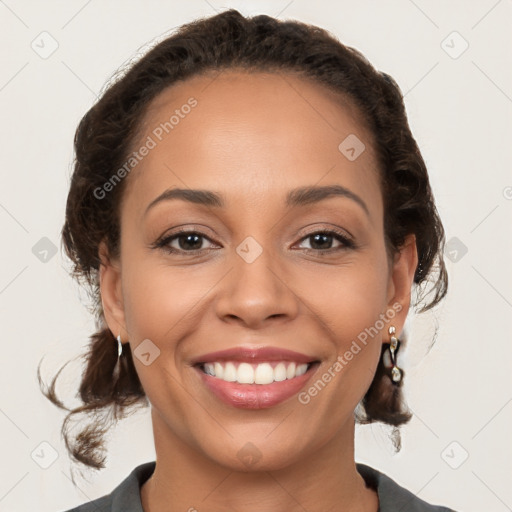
{"x":392,"y":497}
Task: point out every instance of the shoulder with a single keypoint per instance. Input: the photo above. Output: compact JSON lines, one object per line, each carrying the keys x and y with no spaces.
{"x":125,"y":497}
{"x":103,"y":504}
{"x":392,"y":496}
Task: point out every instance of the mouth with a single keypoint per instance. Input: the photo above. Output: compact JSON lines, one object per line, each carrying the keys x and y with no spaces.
{"x":259,"y":385}
{"x":261,"y":374}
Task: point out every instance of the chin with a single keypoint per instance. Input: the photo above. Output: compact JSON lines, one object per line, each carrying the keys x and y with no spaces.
{"x":254,"y":456}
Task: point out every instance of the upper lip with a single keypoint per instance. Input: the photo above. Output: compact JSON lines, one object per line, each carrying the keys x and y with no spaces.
{"x":253,"y":355}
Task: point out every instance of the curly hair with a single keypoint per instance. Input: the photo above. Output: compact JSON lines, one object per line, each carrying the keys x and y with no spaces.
{"x":106,"y":134}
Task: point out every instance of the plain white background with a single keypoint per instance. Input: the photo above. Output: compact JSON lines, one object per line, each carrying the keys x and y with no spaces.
{"x":456,"y":451}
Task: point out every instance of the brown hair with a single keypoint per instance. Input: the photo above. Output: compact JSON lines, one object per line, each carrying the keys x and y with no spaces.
{"x":106,"y":135}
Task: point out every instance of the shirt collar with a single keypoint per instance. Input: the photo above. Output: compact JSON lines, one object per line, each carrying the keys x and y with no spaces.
{"x":126,"y":496}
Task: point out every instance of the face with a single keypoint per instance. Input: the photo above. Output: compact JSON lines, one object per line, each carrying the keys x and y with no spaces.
{"x":264,"y":264}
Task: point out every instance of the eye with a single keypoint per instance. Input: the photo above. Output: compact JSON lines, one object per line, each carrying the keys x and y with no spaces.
{"x":186,"y":241}
{"x":320,"y":239}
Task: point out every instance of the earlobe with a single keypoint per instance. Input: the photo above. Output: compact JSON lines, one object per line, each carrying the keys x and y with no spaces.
{"x":111,"y":293}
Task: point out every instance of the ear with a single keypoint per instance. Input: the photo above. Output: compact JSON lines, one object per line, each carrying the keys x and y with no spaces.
{"x":401,"y":281}
{"x":111,"y":293}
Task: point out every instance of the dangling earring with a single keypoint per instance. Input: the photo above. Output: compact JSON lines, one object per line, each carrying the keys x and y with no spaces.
{"x":117,"y":367}
{"x":119,"y":347}
{"x":394,"y":344}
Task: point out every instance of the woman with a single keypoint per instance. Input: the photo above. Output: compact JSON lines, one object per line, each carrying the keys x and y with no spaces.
{"x":252,"y":213}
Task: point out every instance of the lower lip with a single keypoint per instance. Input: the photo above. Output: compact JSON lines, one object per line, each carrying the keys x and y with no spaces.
{"x":256,"y":396}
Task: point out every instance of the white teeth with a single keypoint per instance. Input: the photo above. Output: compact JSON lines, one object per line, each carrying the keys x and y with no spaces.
{"x":219,"y":370}
{"x":230,"y":373}
{"x":280,"y":372}
{"x":208,"y":368}
{"x":244,"y":374}
{"x":262,"y":373}
{"x":301,"y":370}
{"x":290,"y":372}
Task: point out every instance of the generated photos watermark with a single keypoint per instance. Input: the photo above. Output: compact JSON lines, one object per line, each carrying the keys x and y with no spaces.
{"x":342,"y":360}
{"x":150,"y":143}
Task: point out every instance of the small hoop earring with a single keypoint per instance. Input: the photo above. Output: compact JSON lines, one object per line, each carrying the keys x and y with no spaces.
{"x":394,"y":345}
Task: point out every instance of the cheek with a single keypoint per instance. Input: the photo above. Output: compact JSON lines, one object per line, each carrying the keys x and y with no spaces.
{"x":161,"y":300}
{"x":349,"y":297}
{"x":163,"y":305}
{"x":350,"y":303}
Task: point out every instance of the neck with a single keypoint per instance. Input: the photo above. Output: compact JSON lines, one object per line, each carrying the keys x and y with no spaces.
{"x":325,"y":479}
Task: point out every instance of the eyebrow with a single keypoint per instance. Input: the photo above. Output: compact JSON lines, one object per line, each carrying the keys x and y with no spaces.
{"x":296,"y":197}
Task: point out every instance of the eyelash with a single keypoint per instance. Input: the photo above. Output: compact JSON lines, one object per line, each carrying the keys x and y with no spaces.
{"x":163,"y":243}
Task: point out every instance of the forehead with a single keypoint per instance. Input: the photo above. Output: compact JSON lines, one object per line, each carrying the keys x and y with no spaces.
{"x":252,"y":135}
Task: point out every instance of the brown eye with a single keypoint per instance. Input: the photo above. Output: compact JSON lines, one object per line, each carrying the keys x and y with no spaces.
{"x":187,"y":241}
{"x":321,"y":241}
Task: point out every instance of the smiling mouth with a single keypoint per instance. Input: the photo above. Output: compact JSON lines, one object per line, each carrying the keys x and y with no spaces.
{"x":255,"y":373}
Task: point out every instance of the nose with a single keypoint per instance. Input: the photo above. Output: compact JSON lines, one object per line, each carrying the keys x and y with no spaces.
{"x":256,"y":291}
